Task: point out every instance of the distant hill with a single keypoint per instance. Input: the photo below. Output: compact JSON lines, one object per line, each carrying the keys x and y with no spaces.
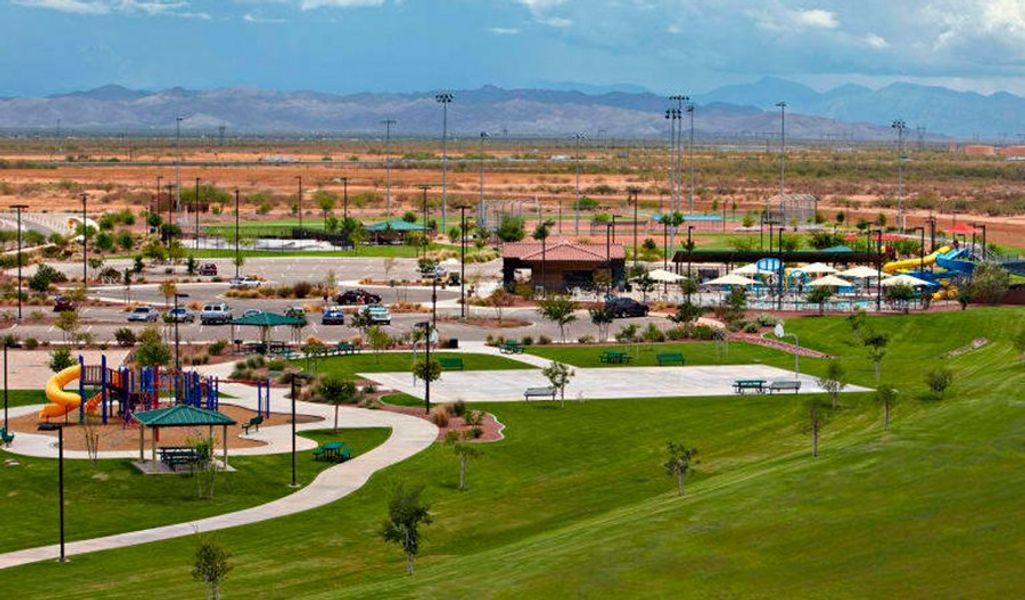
{"x":734,"y":111}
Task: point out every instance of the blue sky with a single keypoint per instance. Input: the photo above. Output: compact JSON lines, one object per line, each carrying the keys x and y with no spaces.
{"x":52,"y":46}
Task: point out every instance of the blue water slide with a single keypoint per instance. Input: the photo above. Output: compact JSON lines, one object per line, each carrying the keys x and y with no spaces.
{"x":950,"y":262}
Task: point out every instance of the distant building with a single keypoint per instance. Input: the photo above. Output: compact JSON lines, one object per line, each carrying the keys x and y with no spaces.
{"x":1013,"y":152}
{"x":979,"y":150}
{"x":795,"y":209}
{"x":566,"y":264}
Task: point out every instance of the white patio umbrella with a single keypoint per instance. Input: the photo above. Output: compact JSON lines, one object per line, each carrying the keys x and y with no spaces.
{"x":903,"y":279}
{"x":860,"y":272}
{"x":750,"y":269}
{"x":830,"y":281}
{"x":732,"y":279}
{"x":818,"y":269}
{"x":663,"y":276}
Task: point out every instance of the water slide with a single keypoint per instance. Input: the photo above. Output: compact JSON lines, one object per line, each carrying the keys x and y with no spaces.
{"x":914,"y":263}
{"x":949,"y":262}
{"x":61,"y":402}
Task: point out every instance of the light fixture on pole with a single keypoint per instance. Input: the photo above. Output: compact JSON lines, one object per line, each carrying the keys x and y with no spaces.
{"x":85,"y":242}
{"x":177,"y":340}
{"x":690,"y":161}
{"x":296,"y":378}
{"x":781,"y":333}
{"x":18,"y":208}
{"x":576,"y":159}
{"x":177,"y":163}
{"x":59,"y":428}
{"x":782,"y":161}
{"x":900,"y":126}
{"x":444,"y":99}
{"x":672,"y":115}
{"x":238,"y":256}
{"x":387,"y":164}
{"x":195,"y":209}
{"x":480,"y":209}
{"x":462,"y":261}
{"x":423,"y":189}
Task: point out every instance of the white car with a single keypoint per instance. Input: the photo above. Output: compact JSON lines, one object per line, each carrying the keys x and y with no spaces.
{"x":246,"y":282}
{"x":216,"y":313}
{"x":146,"y":314}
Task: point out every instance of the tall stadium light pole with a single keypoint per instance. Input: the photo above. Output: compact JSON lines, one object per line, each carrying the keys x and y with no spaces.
{"x":156,"y":207}
{"x":299,"y":201}
{"x":900,"y":126}
{"x":690,"y":161}
{"x":444,"y":99}
{"x":671,"y":117}
{"x":19,"y":208}
{"x":237,"y":255}
{"x":679,"y":99}
{"x":387,"y":164}
{"x":576,"y":206}
{"x":782,"y":160}
{"x":85,"y":242}
{"x":178,"y":162}
{"x":462,"y":261}
{"x":480,"y":209}
{"x":345,"y":197}
{"x":195,"y":209}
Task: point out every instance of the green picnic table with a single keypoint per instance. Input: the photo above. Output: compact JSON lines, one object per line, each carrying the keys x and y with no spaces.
{"x":511,"y":347}
{"x":616,"y":357}
{"x":333,"y":451}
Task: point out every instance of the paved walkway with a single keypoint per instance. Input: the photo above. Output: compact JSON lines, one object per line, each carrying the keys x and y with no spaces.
{"x":409,"y":436}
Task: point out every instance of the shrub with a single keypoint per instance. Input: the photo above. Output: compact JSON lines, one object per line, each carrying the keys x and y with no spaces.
{"x":370,"y":388}
{"x":60,"y":359}
{"x":302,"y":289}
{"x":752,"y":327}
{"x":476,"y":432}
{"x":217,"y":347}
{"x":31,"y":343}
{"x":766,"y":320}
{"x":527,"y":340}
{"x":124,"y":336}
{"x":276,"y":365}
{"x":439,"y":418}
{"x":939,"y":380}
{"x":255,"y":362}
{"x":474,"y":418}
{"x":585,"y":339}
{"x":543,"y":340}
{"x":457,"y":408}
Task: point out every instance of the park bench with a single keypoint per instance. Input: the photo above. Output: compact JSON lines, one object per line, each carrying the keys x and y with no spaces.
{"x":346,"y":348}
{"x":254,"y":422}
{"x":6,"y":437}
{"x":742,"y":385}
{"x":173,"y":456}
{"x":781,"y":385}
{"x":539,"y":392}
{"x":452,"y":363}
{"x":669,"y":358}
{"x":511,"y":347}
{"x":614,"y":357}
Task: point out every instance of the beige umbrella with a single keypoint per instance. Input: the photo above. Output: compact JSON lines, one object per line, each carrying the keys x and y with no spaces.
{"x":830,"y":281}
{"x":751,"y":269}
{"x":663,"y":276}
{"x":732,"y":279}
{"x":860,"y":272}
{"x":903,"y":279}
{"x":817,"y":269}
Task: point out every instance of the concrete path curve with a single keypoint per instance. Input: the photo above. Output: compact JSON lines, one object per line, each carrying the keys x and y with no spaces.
{"x":409,"y":436}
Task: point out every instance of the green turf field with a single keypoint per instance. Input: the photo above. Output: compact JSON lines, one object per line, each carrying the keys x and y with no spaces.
{"x":370,"y":362}
{"x":574,"y":503}
{"x":695,"y":353}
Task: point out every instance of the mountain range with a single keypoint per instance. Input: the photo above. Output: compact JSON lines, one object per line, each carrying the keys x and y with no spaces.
{"x":745,"y":111}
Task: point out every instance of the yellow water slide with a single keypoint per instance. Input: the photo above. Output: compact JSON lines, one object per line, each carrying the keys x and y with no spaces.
{"x":913,"y":263}
{"x":61,"y":402}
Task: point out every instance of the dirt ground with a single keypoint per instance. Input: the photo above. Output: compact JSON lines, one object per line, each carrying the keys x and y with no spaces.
{"x":114,"y":436}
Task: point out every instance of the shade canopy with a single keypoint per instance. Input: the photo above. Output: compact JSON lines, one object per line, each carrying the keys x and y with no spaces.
{"x":663,"y":276}
{"x":397,"y":225}
{"x":182,"y":415}
{"x":267,"y":319}
{"x":732,"y":279}
{"x":904,"y":279}
{"x":962,"y":228}
{"x":830,"y":281}
{"x":748,"y":269}
{"x":818,"y":269}
{"x":860,"y":272}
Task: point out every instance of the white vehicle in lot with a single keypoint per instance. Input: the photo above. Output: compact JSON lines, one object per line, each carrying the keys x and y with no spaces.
{"x":246,"y":282}
{"x":215,"y":313}
{"x":379,"y":315}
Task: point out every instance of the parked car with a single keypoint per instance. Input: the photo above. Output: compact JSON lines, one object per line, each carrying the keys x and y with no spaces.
{"x":357,"y":296}
{"x":63,"y":303}
{"x":626,"y":307}
{"x":146,"y":314}
{"x":379,"y":315}
{"x":296,"y":312}
{"x":333,"y":315}
{"x":251,"y":312}
{"x":208,"y":269}
{"x":216,"y":313}
{"x":180,"y":315}
{"x":246,"y":282}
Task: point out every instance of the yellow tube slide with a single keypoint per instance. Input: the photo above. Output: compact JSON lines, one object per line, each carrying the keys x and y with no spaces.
{"x":913,"y":263}
{"x":64,"y":402}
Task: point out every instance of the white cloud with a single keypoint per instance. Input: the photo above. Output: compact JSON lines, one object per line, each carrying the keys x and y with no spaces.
{"x":503,"y":30}
{"x":314,"y":4}
{"x":539,"y":5}
{"x":558,"y":22}
{"x":257,"y":17}
{"x":875,"y":41}
{"x":82,"y":7}
{"x":816,"y":19}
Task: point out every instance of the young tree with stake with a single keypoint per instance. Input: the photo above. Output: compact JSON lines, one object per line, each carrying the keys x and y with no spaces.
{"x":834,"y":381}
{"x":559,"y":309}
{"x":406,"y":513}
{"x":558,"y":375}
{"x":887,"y":396}
{"x":210,"y":565}
{"x":464,"y":452}
{"x":679,"y":462}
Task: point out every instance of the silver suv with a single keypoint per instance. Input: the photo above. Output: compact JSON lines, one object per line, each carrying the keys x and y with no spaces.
{"x":216,"y":313}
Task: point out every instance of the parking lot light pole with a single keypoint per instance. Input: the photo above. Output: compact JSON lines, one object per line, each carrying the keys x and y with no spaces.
{"x":177,"y":340}
{"x":299,"y":202}
{"x":462,"y":261}
{"x":237,"y":255}
{"x":296,"y":378}
{"x":387,"y":164}
{"x":85,"y":242}
{"x":19,"y":208}
{"x":58,"y":427}
{"x":879,"y":270}
{"x":195,"y":209}
{"x":6,"y":426}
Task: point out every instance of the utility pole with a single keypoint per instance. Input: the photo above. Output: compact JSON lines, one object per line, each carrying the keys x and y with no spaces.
{"x":387,"y":165}
{"x":576,"y":228}
{"x":85,"y":242}
{"x":237,"y":254}
{"x":19,"y":208}
{"x":178,"y":162}
{"x":782,"y":161}
{"x":480,"y":209}
{"x":444,"y":99}
{"x":900,"y":126}
{"x":690,"y":161}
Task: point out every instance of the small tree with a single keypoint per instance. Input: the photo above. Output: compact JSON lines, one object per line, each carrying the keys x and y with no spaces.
{"x":646,"y":284}
{"x":857,"y":322}
{"x":406,"y":513}
{"x":816,"y":419}
{"x":558,"y":308}
{"x":834,"y":381}
{"x":337,"y":391}
{"x":901,"y":295}
{"x":379,"y":340}
{"x":168,"y":288}
{"x":152,"y":350}
{"x":389,"y":265}
{"x":886,"y":395}
{"x":686,"y":313}
{"x":938,"y":380}
{"x":558,"y":375}
{"x":679,"y":461}
{"x":60,"y":359}
{"x":734,"y":306}
{"x":68,"y":322}
{"x":876,"y":343}
{"x":464,"y":452}
{"x":210,"y":565}
{"x":602,"y":318}
{"x":819,"y":295}
{"x":990,"y":283}
{"x":427,"y":371}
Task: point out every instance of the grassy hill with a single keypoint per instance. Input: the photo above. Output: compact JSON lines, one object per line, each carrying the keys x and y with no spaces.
{"x":574,"y":502}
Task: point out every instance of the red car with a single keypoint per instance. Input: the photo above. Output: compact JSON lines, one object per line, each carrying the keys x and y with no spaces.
{"x":62,"y":304}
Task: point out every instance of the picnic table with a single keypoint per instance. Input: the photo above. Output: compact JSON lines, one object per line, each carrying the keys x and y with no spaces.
{"x":616,"y":357}
{"x":511,"y":347}
{"x":452,"y":363}
{"x":172,"y":456}
{"x":333,"y":451}
{"x":742,"y":385}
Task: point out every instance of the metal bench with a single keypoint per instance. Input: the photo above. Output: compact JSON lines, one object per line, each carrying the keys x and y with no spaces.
{"x":539,"y":392}
{"x":6,"y":436}
{"x":254,"y":422}
{"x":669,"y":358}
{"x":742,"y":385}
{"x":451,"y":363}
{"x":783,"y":385}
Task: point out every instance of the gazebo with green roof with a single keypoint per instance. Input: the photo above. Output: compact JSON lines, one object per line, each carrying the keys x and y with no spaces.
{"x":395,"y":229}
{"x":180,"y":415}
{"x":265,"y":321}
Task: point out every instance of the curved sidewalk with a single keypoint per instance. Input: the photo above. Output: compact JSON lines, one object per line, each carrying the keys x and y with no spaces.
{"x":409,"y":436}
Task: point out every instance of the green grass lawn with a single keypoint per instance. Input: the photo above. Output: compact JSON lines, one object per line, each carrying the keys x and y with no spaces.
{"x":113,"y":497}
{"x":574,"y":502}
{"x":695,"y":353}
{"x":23,"y":397}
{"x":369,"y":362}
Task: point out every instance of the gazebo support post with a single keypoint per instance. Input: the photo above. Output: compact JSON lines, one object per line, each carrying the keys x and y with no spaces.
{"x":142,"y":443}
{"x":224,"y":434}
{"x":153,"y":437}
